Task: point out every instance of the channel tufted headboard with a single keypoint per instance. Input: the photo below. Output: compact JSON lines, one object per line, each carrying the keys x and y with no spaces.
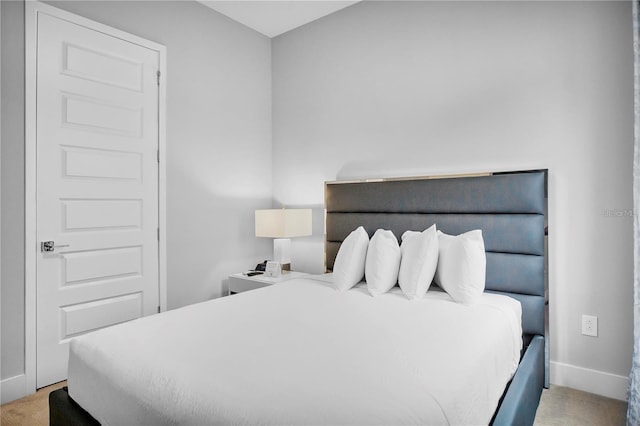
{"x":509,"y":207}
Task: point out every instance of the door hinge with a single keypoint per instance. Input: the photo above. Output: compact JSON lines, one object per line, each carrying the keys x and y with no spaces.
{"x":158,"y":75}
{"x":158,"y":234}
{"x":158,"y":156}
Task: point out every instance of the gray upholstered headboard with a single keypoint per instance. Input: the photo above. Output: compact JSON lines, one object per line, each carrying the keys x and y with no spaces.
{"x":509,"y":207}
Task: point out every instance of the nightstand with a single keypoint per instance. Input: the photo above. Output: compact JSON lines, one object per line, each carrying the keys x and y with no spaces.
{"x":240,"y":282}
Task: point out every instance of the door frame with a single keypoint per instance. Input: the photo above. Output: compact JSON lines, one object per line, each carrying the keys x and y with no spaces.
{"x":32,"y":10}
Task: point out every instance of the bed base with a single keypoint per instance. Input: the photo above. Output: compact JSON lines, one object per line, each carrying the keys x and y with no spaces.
{"x":521,"y":399}
{"x":64,"y":411}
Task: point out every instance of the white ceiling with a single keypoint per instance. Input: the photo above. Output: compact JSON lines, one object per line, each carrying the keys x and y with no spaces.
{"x":271,"y":17}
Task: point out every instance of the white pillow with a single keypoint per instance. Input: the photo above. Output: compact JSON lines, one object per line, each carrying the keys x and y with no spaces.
{"x":348,"y":268}
{"x":419,"y":262}
{"x":383,"y":262}
{"x":462,"y":265}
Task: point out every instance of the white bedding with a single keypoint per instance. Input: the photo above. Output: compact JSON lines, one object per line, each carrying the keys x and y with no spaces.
{"x":300,"y":352}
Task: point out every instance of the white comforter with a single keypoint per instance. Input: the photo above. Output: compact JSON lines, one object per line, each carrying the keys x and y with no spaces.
{"x":300,"y":352}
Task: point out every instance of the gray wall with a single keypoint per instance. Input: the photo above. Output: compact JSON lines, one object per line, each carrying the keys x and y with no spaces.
{"x":218,"y":149}
{"x":414,"y":88}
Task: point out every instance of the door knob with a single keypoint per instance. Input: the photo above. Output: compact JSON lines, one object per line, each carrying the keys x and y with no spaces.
{"x":49,"y":246}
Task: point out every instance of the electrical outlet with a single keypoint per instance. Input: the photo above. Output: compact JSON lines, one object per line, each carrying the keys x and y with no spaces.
{"x":590,"y":325}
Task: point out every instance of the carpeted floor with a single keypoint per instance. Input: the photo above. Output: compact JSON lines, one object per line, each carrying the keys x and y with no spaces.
{"x":559,"y":406}
{"x":32,"y":410}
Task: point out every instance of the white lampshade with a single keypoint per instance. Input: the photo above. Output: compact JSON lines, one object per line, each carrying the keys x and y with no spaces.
{"x":283,"y":223}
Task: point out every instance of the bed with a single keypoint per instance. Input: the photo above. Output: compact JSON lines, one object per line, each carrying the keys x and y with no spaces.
{"x":301,"y":352}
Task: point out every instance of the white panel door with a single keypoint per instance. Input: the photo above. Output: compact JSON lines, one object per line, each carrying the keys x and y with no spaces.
{"x":97,"y":186}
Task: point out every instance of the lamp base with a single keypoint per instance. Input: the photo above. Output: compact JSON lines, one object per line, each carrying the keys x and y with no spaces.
{"x":282,"y":252}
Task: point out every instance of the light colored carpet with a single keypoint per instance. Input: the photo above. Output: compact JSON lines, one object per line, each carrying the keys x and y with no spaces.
{"x":32,"y":410}
{"x":559,"y":406}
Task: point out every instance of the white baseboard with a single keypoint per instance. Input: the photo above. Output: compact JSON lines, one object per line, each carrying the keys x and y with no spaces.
{"x":13,"y":388}
{"x":592,"y":381}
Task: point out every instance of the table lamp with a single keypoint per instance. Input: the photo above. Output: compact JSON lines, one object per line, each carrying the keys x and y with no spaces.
{"x":282,"y":225}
